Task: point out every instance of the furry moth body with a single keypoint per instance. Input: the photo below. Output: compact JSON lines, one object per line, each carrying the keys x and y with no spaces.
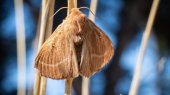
{"x":76,"y":47}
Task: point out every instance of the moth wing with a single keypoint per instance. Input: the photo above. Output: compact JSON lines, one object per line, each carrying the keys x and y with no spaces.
{"x":56,"y":58}
{"x":96,"y":52}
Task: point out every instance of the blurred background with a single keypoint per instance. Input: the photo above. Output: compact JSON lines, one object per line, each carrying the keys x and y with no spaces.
{"x":123,"y":21}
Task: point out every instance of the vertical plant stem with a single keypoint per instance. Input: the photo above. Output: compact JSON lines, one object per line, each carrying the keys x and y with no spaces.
{"x":85,"y":86}
{"x":41,"y":40}
{"x":21,"y":50}
{"x":68,"y":86}
{"x":43,"y":84}
{"x":86,"y":81}
{"x":93,"y":8}
{"x":136,"y":78}
{"x":49,"y":26}
{"x":71,"y":4}
{"x":48,"y":31}
{"x":37,"y":84}
{"x":40,"y":83}
{"x":68,"y":82}
{"x":75,"y":3}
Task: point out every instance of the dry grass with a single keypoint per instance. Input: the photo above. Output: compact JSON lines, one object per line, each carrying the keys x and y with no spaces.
{"x":86,"y":81}
{"x":68,"y":82}
{"x":45,"y":32}
{"x":21,"y":47}
{"x":136,"y":78}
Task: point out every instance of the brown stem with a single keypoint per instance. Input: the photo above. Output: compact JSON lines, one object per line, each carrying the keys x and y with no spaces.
{"x":68,"y":86}
{"x":71,"y":4}
{"x":46,"y":24}
{"x":86,"y":81}
{"x":68,"y":83}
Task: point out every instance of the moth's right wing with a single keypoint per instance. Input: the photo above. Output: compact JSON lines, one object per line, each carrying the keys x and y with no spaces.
{"x":56,"y":58}
{"x":97,"y":50}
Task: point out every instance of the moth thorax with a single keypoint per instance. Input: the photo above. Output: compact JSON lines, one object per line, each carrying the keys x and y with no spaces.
{"x":78,"y":39}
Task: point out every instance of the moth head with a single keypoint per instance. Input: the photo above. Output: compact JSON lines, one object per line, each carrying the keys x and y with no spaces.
{"x":78,"y":23}
{"x":77,"y":15}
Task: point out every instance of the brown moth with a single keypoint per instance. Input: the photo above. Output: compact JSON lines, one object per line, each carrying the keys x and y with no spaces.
{"x":77,"y":47}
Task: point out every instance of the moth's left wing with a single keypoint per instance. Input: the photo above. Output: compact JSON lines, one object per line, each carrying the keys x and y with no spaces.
{"x":56,"y":58}
{"x":97,"y":50}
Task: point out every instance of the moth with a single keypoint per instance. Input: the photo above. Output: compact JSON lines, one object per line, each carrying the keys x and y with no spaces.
{"x":76,"y":47}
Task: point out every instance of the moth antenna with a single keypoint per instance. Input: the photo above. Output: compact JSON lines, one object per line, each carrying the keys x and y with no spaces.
{"x":58,"y":11}
{"x":86,"y":8}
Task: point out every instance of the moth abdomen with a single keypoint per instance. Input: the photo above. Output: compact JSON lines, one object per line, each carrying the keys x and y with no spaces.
{"x":78,"y":49}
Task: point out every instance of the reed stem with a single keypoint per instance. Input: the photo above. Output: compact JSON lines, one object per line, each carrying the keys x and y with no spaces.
{"x":45,"y":32}
{"x":68,"y":82}
{"x":86,"y":81}
{"x":41,"y":40}
{"x":68,"y":86}
{"x":71,"y":4}
{"x":21,"y":48}
{"x":48,"y":31}
{"x":136,"y":78}
{"x":43,"y":85}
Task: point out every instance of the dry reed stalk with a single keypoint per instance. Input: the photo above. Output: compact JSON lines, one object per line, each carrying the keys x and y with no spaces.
{"x":147,"y":32}
{"x":49,"y":26}
{"x":21,"y":49}
{"x":68,"y":82}
{"x":93,"y":8}
{"x":39,"y":88}
{"x":71,"y":4}
{"x":41,"y":40}
{"x":35,"y":48}
{"x":43,"y":85}
{"x":86,"y":81}
{"x":68,"y":86}
{"x":85,"y":86}
{"x":48,"y":31}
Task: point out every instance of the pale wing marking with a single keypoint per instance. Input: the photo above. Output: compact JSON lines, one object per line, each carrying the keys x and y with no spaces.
{"x":58,"y":63}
